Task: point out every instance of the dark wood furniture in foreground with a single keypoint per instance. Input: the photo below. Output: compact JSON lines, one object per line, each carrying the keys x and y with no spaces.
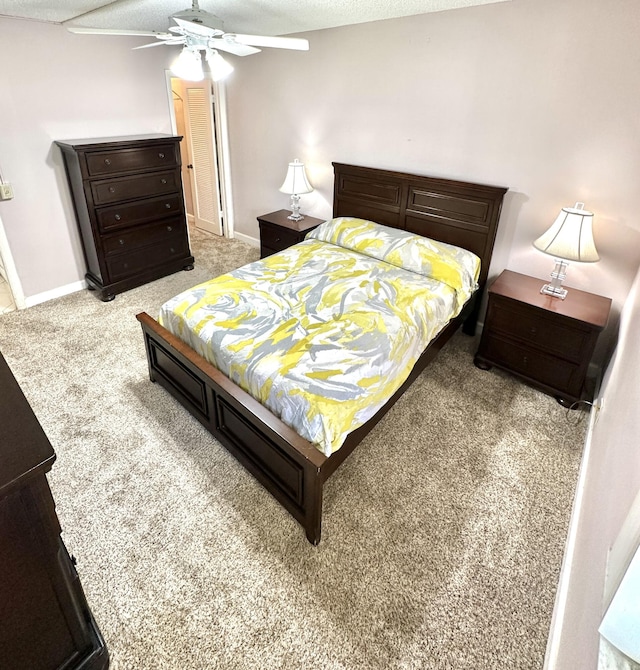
{"x":127,"y":196}
{"x":45,"y":622}
{"x":277,"y":232}
{"x":546,"y":341}
{"x":288,"y":466}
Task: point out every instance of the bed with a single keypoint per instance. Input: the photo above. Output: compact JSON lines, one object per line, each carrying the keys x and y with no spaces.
{"x":290,"y":467}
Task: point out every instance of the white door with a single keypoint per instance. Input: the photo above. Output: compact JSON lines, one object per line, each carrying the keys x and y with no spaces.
{"x":200,"y":135}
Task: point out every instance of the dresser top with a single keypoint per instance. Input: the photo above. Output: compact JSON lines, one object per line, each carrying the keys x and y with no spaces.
{"x":24,"y":448}
{"x":115,"y":142}
{"x":587,"y":307}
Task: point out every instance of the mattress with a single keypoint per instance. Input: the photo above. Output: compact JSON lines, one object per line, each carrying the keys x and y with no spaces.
{"x":324,"y":332}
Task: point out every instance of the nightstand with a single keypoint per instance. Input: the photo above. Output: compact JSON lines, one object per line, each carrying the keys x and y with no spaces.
{"x":545,"y":341}
{"x":277,"y":232}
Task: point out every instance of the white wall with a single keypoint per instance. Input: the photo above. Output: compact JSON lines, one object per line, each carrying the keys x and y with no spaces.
{"x":611,"y":475}
{"x":56,"y":85}
{"x":537,"y":95}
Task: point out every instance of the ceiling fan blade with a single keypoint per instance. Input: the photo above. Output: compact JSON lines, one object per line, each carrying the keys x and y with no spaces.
{"x":159,"y":44}
{"x":274,"y":42}
{"x":197,"y":29}
{"x":109,"y":31}
{"x":232,"y":47}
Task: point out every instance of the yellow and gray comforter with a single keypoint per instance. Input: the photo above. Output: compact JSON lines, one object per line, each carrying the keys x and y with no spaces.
{"x":326,"y":331}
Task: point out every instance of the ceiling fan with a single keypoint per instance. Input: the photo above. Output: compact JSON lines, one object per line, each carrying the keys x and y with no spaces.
{"x":198,"y":30}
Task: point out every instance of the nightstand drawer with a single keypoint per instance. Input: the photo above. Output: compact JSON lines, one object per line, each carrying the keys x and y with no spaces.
{"x":278,"y":238}
{"x":556,"y":373}
{"x":537,"y":329}
{"x":129,"y":160}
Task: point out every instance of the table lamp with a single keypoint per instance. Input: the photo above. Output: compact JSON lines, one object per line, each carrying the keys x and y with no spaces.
{"x":570,"y":238}
{"x":296,"y":183}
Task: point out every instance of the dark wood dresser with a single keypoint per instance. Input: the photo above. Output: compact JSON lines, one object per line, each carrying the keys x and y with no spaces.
{"x":45,"y":622}
{"x":277,"y":232}
{"x":129,"y":205}
{"x":546,"y":341}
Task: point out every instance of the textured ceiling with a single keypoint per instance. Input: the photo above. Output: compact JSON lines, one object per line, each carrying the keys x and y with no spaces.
{"x":268,"y":17}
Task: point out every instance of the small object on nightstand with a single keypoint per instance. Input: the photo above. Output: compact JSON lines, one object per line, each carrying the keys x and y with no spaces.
{"x":278,"y":231}
{"x":568,"y":239}
{"x":544,"y":341}
{"x":295,"y":184}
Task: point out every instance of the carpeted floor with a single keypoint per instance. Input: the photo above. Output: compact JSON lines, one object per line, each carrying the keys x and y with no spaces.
{"x":443,"y":533}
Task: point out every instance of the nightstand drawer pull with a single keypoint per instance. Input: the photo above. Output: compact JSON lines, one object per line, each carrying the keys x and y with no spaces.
{"x":107,"y":161}
{"x":121,"y":241}
{"x":117,"y":217}
{"x":168,"y":205}
{"x":169,"y":229}
{"x":163,"y":181}
{"x":160,"y":155}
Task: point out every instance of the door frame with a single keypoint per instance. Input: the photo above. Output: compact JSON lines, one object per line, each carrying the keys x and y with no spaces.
{"x":15,"y":285}
{"x":221,"y":138}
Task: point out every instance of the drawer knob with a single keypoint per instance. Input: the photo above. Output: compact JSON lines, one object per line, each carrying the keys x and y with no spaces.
{"x":117,"y":217}
{"x":163,"y":181}
{"x":169,"y":228}
{"x":525,"y":360}
{"x":112,"y":189}
{"x":168,"y":205}
{"x":160,"y":155}
{"x":107,"y":161}
{"x":121,"y":241}
{"x":172,"y":250}
{"x":277,"y":239}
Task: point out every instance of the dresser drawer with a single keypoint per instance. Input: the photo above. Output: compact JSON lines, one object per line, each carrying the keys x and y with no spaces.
{"x":125,"y":265}
{"x":538,"y":330}
{"x":136,"y":213}
{"x":142,"y":236}
{"x":277,"y":238}
{"x":556,"y":373}
{"x":129,"y":160}
{"x":137,"y":186}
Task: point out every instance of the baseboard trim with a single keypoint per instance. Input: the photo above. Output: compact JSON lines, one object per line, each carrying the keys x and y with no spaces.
{"x":33,"y":300}
{"x":247,"y":239}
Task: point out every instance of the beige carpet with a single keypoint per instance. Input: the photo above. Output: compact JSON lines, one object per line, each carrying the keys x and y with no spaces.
{"x":442,"y":536}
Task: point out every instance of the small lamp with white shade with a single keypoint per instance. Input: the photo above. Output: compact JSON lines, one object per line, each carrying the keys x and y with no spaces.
{"x":295,"y":184}
{"x":570,"y":238}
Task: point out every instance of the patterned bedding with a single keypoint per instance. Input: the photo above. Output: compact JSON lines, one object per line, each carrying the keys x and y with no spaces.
{"x":324,"y":332}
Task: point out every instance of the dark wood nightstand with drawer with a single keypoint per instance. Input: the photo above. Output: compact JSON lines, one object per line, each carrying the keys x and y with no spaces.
{"x":545,"y":341}
{"x":277,"y":232}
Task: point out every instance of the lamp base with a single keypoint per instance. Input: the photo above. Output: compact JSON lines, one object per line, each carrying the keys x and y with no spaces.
{"x":554,"y":288}
{"x":295,"y":208}
{"x":558,"y":292}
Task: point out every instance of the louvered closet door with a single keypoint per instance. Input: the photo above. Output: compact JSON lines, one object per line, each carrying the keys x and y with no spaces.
{"x":206,"y":196}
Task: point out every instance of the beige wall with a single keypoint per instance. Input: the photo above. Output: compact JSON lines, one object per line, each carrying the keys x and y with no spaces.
{"x":56,"y":85}
{"x":610,"y":483}
{"x":537,"y":95}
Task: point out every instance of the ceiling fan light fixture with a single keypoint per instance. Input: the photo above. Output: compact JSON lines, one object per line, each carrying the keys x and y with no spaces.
{"x":188,"y":65}
{"x":219,"y":67}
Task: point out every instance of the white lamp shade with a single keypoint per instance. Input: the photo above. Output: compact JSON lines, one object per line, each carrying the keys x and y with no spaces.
{"x":570,"y":236}
{"x":188,"y":65}
{"x":218,"y":66}
{"x":296,"y":181}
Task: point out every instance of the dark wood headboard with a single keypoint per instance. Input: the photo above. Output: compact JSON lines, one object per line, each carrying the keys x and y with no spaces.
{"x":456,"y":212}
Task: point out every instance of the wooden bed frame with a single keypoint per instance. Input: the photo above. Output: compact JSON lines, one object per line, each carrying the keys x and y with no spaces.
{"x":287,"y":465}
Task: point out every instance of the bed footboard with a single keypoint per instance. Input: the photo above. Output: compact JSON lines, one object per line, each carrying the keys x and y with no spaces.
{"x":288,"y":466}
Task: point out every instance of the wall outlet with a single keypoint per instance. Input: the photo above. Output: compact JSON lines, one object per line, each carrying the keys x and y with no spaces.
{"x":6,"y":191}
